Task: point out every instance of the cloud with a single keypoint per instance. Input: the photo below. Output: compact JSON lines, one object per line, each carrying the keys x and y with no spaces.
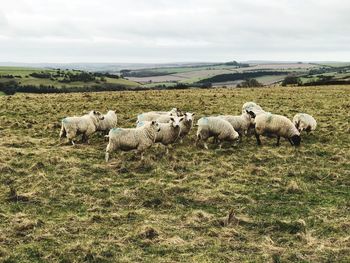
{"x":161,"y":31}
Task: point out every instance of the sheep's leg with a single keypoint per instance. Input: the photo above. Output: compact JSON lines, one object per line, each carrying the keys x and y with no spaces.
{"x":197,"y":140}
{"x":63,"y":133}
{"x":240,"y":138}
{"x":85,"y":138}
{"x":205,"y":144}
{"x":278,"y":141}
{"x":166,"y":150}
{"x":108,"y":150}
{"x":290,"y":141}
{"x":257,"y":136}
{"x":141,"y":154}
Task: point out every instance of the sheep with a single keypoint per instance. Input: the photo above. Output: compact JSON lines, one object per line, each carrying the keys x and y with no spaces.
{"x":252,"y":106}
{"x":271,"y":125}
{"x":85,"y":125}
{"x":140,"y":138}
{"x":186,"y":125}
{"x":304,"y":122}
{"x":173,"y":112}
{"x":110,"y":121}
{"x":169,"y":132}
{"x":240,"y":123}
{"x":153,"y":115}
{"x":215,"y":127}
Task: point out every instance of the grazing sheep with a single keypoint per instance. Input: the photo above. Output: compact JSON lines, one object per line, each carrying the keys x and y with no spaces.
{"x":154,"y":115}
{"x":110,"y":121}
{"x":186,"y":125}
{"x":252,"y":106}
{"x":169,"y":132}
{"x":140,"y":138}
{"x":304,"y":122}
{"x":215,"y":127}
{"x":85,"y":125}
{"x":271,"y":125}
{"x":240,"y":123}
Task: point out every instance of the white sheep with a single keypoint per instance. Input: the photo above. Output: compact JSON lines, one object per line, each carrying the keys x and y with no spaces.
{"x":154,"y":115}
{"x":173,"y":112}
{"x":140,"y":138}
{"x":304,"y":122}
{"x":85,"y":125}
{"x":109,"y":122}
{"x":215,"y":127}
{"x":186,"y":125}
{"x":273,"y":125}
{"x":169,"y":132}
{"x":252,"y":106}
{"x":240,"y":123}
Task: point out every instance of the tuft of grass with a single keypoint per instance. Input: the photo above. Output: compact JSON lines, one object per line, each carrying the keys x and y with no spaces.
{"x":242,"y":203}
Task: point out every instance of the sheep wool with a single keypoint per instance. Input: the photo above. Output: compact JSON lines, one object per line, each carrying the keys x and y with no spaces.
{"x":154,"y":115}
{"x":304,"y":122}
{"x":140,"y":138}
{"x":273,"y":125}
{"x":252,"y":106}
{"x":110,"y":121}
{"x":169,"y":132}
{"x":186,"y":125}
{"x":240,"y":123}
{"x":86,"y":125}
{"x":217,"y":128}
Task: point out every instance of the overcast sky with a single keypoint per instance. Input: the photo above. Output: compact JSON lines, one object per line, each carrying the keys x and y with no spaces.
{"x":173,"y":30}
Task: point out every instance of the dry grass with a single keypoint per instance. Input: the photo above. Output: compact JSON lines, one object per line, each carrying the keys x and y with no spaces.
{"x":245,"y":203}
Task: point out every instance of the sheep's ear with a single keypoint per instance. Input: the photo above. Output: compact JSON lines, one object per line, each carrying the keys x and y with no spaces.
{"x":251,"y":113}
{"x":94,"y":112}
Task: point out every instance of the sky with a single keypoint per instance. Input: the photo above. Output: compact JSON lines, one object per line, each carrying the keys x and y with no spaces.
{"x":159,"y":31}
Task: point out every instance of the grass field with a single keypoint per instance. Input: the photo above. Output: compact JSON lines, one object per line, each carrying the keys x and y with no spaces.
{"x":238,"y":204}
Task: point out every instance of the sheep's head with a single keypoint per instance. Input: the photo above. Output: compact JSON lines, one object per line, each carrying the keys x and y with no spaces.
{"x":98,"y":115}
{"x":155,"y":126}
{"x":175,"y":121}
{"x":296,"y":139}
{"x":297,"y":125}
{"x":189,"y":116}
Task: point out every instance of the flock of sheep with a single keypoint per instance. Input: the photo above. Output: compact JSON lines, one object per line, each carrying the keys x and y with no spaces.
{"x":168,"y":127}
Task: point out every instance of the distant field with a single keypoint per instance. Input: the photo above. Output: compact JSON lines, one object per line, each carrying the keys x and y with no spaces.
{"x":238,"y":204}
{"x":25,"y":79}
{"x":195,"y":74}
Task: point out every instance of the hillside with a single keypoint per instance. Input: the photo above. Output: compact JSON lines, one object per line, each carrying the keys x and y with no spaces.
{"x":62,"y":78}
{"x":239,"y":204}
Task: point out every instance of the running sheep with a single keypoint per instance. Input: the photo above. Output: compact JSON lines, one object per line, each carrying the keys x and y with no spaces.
{"x":304,"y":122}
{"x":240,"y":123}
{"x":169,"y":132}
{"x":109,"y":122}
{"x":85,"y":125}
{"x":215,"y":127}
{"x":273,"y":125}
{"x":140,"y":138}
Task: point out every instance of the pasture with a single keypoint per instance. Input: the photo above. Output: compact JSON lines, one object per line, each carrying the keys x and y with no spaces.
{"x":236,"y":204}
